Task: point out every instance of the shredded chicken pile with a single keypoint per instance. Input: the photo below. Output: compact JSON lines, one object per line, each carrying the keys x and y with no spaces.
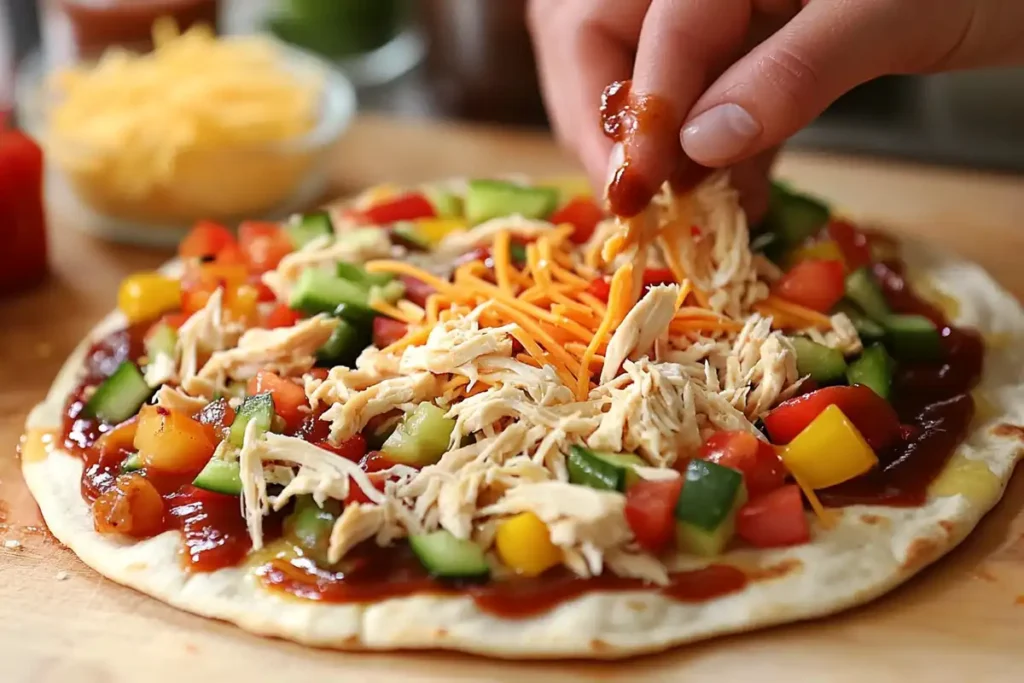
{"x":648,"y":372}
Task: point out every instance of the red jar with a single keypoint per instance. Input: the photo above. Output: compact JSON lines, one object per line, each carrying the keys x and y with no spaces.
{"x":22,"y":217}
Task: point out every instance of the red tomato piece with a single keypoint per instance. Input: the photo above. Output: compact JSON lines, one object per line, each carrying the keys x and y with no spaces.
{"x":206,"y":239}
{"x":231,"y":255}
{"x":264,"y":294}
{"x":263,"y":245}
{"x":173,"y":320}
{"x":289,"y":398}
{"x":600,"y":288}
{"x":218,"y":415}
{"x":852,"y":243}
{"x":583,"y":214}
{"x":416,"y":291}
{"x":319,"y":373}
{"x":775,"y":519}
{"x":817,"y":284}
{"x":871,"y":414}
{"x":760,"y":464}
{"x":280,"y":316}
{"x":22,"y":210}
{"x":650,"y":508}
{"x":387,"y":331}
{"x":658,"y":276}
{"x":375,"y":461}
{"x":407,"y":207}
{"x":372,"y":462}
{"x":352,"y":448}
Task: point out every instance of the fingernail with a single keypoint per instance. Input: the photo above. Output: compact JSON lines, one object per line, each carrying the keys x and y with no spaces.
{"x":720,"y":134}
{"x":616,"y":158}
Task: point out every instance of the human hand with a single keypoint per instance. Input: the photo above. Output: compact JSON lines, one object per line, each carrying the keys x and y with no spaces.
{"x":741,"y":76}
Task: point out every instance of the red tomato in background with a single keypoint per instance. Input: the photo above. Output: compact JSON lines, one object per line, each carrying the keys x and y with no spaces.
{"x":407,"y":207}
{"x":387,"y":331}
{"x":600,"y":288}
{"x":372,"y":462}
{"x":816,"y":284}
{"x":852,"y":243}
{"x":205,"y":240}
{"x":416,"y":291}
{"x":263,"y":245}
{"x":650,"y":512}
{"x":280,"y":316}
{"x":352,"y":448}
{"x":658,"y":276}
{"x":289,"y":398}
{"x":775,"y":519}
{"x":760,"y":464}
{"x":871,"y":414}
{"x":583,"y":214}
{"x":22,"y":214}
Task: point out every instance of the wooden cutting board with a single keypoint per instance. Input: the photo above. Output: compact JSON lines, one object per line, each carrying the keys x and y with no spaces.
{"x":962,"y":620}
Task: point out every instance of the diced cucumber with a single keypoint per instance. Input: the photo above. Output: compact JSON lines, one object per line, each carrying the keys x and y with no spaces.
{"x":360,"y":316}
{"x":517,"y":252}
{"x":405,"y":234}
{"x":912,"y":338}
{"x":344,"y":345}
{"x":358,"y":275}
{"x":793,"y":216}
{"x":390,"y":292}
{"x":601,"y":470}
{"x":873,"y":369}
{"x":867,"y":329}
{"x":377,"y":433}
{"x":260,"y":408}
{"x":319,"y":291}
{"x":303,"y":229}
{"x":820,"y":362}
{"x":220,"y":476}
{"x":119,"y":396}
{"x":133,"y":463}
{"x":768,"y":243}
{"x":448,"y":557}
{"x":706,"y":510}
{"x":446,"y":204}
{"x":161,"y":340}
{"x":309,"y":527}
{"x":487,"y":199}
{"x":421,"y":438}
{"x":862,"y":290}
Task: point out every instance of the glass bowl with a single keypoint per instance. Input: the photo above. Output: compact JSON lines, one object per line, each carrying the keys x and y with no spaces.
{"x":226,"y":184}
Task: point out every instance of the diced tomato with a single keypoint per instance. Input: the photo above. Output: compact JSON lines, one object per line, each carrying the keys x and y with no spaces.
{"x":416,"y":291}
{"x":775,"y":519}
{"x":218,"y":414}
{"x":172,"y":442}
{"x":817,"y":284}
{"x":172,"y":320}
{"x":650,"y":508}
{"x":601,"y":288}
{"x":583,"y":214}
{"x":263,"y":244}
{"x":320,"y":373}
{"x":265,"y":294}
{"x":852,"y":242}
{"x":871,"y":414}
{"x":372,"y":462}
{"x":290,"y":402}
{"x":280,"y":316}
{"x":407,"y":207}
{"x":658,"y":276}
{"x":312,"y":428}
{"x":760,"y":464}
{"x":387,"y":331}
{"x":231,"y":255}
{"x":132,"y":507}
{"x":205,"y":240}
{"x":352,"y":448}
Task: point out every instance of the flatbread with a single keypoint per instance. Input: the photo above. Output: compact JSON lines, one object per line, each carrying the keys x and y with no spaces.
{"x":870,"y":550}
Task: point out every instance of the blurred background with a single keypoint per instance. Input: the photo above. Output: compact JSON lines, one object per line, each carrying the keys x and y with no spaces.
{"x":471,"y":60}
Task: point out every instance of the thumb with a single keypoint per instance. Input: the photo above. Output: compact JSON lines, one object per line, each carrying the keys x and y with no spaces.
{"x":830,"y":47}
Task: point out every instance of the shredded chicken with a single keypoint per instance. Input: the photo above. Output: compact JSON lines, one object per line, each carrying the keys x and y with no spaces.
{"x":347,"y":417}
{"x":647,"y":321}
{"x":356,"y":246}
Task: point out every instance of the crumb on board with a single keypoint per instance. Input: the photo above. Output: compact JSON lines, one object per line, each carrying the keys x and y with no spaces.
{"x":12,"y":544}
{"x":62,"y":576}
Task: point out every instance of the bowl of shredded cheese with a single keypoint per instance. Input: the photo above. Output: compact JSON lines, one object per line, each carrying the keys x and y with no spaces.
{"x":202,"y":127}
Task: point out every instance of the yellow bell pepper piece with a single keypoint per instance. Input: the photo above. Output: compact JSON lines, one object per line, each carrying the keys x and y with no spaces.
{"x":524,"y":544}
{"x":145,"y":296}
{"x":828,"y":451}
{"x":826,"y":250}
{"x":434,"y":230}
{"x":241,"y":305}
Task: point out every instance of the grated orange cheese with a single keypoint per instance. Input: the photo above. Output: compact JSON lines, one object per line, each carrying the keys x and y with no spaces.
{"x":403,"y":268}
{"x":622,"y":280}
{"x":384,"y":308}
{"x":503,"y":260}
{"x":412,"y":338}
{"x":795,"y":314}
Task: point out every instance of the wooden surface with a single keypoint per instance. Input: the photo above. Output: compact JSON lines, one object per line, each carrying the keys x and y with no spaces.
{"x":60,"y":622}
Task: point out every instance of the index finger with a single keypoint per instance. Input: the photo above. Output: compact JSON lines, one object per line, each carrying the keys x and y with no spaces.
{"x":684,"y":45}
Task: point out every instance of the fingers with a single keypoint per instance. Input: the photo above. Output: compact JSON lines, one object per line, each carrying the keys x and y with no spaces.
{"x":784,"y":83}
{"x":683,"y":45}
{"x":581,"y":47}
